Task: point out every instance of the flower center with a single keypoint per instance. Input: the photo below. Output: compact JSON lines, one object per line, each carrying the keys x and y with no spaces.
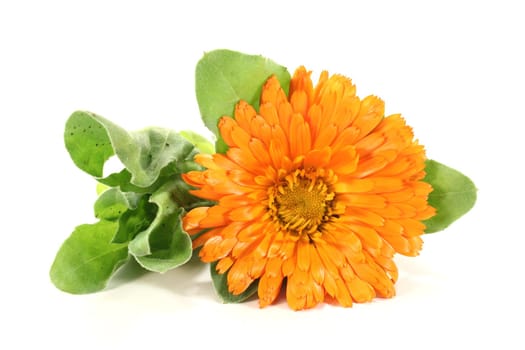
{"x":302,"y":202}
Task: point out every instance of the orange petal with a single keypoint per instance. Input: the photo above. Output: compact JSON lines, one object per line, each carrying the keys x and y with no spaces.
{"x":289,"y":266}
{"x":256,"y":266}
{"x":353,"y":214}
{"x":342,"y":293}
{"x":302,"y":292}
{"x":389,"y":266}
{"x":224,"y":264}
{"x":369,"y":143}
{"x":261,"y":130}
{"x":340,"y":235}
{"x":244,"y":115}
{"x":246,"y":213}
{"x":376,"y":277}
{"x":226,"y":125}
{"x":314,"y":117}
{"x":401,"y":196}
{"x":362,"y":200}
{"x":370,"y":115}
{"x":274,"y":95}
{"x":250,"y":231}
{"x":296,"y":290}
{"x":366,"y":167}
{"x":367,"y":235}
{"x":329,"y":284}
{"x":216,"y":247}
{"x":331,"y":257}
{"x":345,"y":160}
{"x":270,"y":282}
{"x":299,"y":101}
{"x":361,"y":291}
{"x":396,"y":168}
{"x":316,"y":266}
{"x":216,"y":216}
{"x":399,"y":243}
{"x":317,"y":158}
{"x":197,"y":242}
{"x":301,"y":84}
{"x":269,"y":114}
{"x":303,"y":255}
{"x":411,"y":227}
{"x":223,"y":163}
{"x":300,"y":137}
{"x":241,"y":177}
{"x":260,"y":151}
{"x":240,"y":137}
{"x":346,"y":137}
{"x":194,"y":178}
{"x":354,"y":186}
{"x":325,"y":136}
{"x":235,"y":201}
{"x":238,"y":277}
{"x":232,"y":229}
{"x":245,"y":159}
{"x":190,"y":221}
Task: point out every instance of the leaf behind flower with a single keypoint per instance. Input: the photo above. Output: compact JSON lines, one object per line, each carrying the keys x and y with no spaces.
{"x":224,"y":77}
{"x":453,"y":196}
{"x":220,"y":283}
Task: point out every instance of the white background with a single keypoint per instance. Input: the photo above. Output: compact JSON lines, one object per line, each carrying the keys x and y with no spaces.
{"x":453,"y":69}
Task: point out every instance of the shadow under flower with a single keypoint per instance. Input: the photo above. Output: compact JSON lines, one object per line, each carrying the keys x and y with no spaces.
{"x":191,"y":279}
{"x":130,"y":271}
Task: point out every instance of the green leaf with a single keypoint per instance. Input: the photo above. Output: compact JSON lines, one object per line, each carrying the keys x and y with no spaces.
{"x":122,"y":180}
{"x":220,"y":283}
{"x":133,"y":212}
{"x":91,"y":140}
{"x":199,"y":141}
{"x":221,"y":146}
{"x":172,"y":251}
{"x":454,"y":195}
{"x":112,"y":203}
{"x":163,"y":245}
{"x":224,"y":77}
{"x":101,"y":188}
{"x":87,"y":259}
{"x":87,"y":142}
{"x":135,"y":220}
{"x":159,"y":148}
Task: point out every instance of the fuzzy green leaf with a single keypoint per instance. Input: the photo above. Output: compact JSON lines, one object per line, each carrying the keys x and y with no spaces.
{"x":135,"y":220}
{"x":87,"y":142}
{"x":169,"y":251}
{"x":220,"y":283}
{"x":112,"y":203}
{"x":88,"y":259}
{"x":453,"y":196}
{"x":91,"y":140}
{"x":163,"y":245}
{"x":122,"y":180}
{"x":224,"y":77}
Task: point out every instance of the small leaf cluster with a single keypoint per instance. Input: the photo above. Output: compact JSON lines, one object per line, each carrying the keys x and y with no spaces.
{"x":140,"y":209}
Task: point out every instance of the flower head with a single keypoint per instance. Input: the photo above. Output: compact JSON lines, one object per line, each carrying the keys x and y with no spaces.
{"x":319,"y":189}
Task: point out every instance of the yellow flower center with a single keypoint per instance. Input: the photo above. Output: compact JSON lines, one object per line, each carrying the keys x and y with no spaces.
{"x":302,"y":202}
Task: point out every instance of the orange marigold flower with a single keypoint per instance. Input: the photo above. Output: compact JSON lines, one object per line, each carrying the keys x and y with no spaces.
{"x":319,"y":189}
